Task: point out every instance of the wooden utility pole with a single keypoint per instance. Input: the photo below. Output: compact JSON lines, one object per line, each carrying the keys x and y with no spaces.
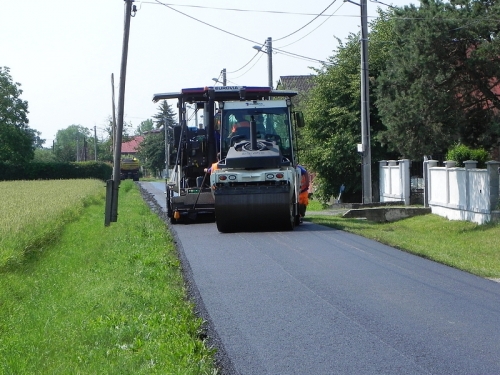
{"x":114,"y":184}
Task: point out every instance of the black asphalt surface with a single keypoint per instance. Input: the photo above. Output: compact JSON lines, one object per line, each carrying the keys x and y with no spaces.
{"x":323,"y":301}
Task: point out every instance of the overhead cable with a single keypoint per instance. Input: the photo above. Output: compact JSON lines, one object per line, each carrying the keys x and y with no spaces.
{"x":296,"y":31}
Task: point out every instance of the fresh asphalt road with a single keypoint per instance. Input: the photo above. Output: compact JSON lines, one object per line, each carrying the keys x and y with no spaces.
{"x":323,"y":301}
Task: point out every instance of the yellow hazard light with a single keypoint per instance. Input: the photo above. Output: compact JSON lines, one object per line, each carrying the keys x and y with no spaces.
{"x":177,"y":215}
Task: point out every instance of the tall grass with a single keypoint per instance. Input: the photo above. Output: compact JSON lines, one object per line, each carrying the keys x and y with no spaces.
{"x":34,"y":212}
{"x":101,"y":300}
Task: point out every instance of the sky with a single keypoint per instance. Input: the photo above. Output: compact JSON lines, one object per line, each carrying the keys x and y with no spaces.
{"x":63,"y":53}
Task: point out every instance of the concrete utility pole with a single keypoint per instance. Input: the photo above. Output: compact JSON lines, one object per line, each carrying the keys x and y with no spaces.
{"x":269,"y":51}
{"x":365,"y":149}
{"x":269,"y":43}
{"x":115,"y":182}
{"x":365,"y":107}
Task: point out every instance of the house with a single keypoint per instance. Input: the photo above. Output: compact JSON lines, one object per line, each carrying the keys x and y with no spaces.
{"x":302,"y":84}
{"x":131,"y":147}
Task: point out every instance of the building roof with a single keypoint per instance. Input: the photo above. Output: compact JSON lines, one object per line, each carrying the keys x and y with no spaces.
{"x":300,"y":83}
{"x":132,"y":146}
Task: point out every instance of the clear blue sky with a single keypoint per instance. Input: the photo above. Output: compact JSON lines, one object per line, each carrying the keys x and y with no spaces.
{"x":64,"y":52}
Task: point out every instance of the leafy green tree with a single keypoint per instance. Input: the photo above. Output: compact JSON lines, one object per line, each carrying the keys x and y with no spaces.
{"x":70,"y":143}
{"x":45,"y":155}
{"x":151,"y":152}
{"x":144,"y":127}
{"x":439,"y":84}
{"x":16,"y":138}
{"x":37,"y":141}
{"x":152,"y":149}
{"x":333,"y":116}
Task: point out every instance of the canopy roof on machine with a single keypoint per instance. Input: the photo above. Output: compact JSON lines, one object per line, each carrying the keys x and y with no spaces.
{"x":223,"y":93}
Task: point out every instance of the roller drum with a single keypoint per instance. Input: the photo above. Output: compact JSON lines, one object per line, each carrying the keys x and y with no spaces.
{"x":253,"y":208}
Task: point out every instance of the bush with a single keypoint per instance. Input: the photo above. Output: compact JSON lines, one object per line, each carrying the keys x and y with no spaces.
{"x":55,"y":171}
{"x":461,"y":153}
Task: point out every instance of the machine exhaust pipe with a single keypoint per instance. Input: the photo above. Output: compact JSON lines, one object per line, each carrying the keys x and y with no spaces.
{"x":253,"y":133}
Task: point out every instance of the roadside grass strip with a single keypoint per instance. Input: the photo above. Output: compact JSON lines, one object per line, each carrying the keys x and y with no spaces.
{"x":101,"y":300}
{"x":460,"y":244}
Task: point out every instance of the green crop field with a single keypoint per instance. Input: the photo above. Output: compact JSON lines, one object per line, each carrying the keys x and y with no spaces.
{"x":34,"y":212}
{"x":77,"y":297}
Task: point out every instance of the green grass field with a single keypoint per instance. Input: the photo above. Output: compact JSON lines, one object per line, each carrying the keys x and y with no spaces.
{"x":91,"y":299}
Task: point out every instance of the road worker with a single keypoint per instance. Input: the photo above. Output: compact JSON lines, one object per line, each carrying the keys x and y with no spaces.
{"x":241,"y":122}
{"x":213,"y":167}
{"x":304,"y":191}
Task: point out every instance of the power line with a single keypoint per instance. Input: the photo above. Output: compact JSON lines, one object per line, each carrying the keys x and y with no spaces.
{"x":238,"y":36}
{"x":255,"y":63}
{"x":205,"y":23}
{"x":317,"y":27}
{"x":311,"y":21}
{"x":242,"y":10}
{"x":253,"y":57}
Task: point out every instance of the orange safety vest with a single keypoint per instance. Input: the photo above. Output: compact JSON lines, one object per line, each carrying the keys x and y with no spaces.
{"x":304,"y":198}
{"x":241,"y":124}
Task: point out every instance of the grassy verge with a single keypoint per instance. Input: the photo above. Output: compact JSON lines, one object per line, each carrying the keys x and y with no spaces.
{"x":460,"y":244}
{"x":101,"y":300}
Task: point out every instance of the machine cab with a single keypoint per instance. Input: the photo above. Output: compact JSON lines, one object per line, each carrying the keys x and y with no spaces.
{"x":272,"y":124}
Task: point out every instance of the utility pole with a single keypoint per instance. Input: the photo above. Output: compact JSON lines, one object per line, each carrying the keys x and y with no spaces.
{"x":114,"y":184}
{"x":269,"y":51}
{"x":95,"y":143}
{"x":113,"y":125}
{"x":365,"y":149}
{"x":269,"y":44}
{"x":166,"y":149}
{"x":365,"y":107}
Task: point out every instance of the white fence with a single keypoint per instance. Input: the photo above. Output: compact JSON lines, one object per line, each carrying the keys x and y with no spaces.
{"x":463,"y":193}
{"x":395,"y":180}
{"x":456,"y":193}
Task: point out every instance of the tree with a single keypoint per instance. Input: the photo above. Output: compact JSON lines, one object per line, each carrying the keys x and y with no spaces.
{"x":70,"y":144}
{"x":165,"y":111}
{"x":441,"y":81}
{"x":152,"y":149}
{"x":152,"y":152}
{"x":333,"y":115}
{"x":144,"y":127}
{"x":16,"y":138}
{"x":44,"y":155}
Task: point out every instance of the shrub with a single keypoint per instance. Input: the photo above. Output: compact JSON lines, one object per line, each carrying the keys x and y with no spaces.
{"x":461,"y":153}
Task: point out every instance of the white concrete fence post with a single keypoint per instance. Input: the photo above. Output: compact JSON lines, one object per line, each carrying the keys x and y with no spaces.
{"x":428,"y":164}
{"x":493,"y":168}
{"x":404,"y":172}
{"x":469,"y":164}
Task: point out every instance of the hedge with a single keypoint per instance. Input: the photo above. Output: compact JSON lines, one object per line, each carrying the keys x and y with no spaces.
{"x":55,"y":171}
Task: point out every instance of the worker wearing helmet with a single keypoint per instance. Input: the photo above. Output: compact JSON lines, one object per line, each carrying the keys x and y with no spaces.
{"x":241,"y":122}
{"x":304,"y":191}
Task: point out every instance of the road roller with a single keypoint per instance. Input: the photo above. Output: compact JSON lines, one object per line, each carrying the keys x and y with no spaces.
{"x":250,"y":158}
